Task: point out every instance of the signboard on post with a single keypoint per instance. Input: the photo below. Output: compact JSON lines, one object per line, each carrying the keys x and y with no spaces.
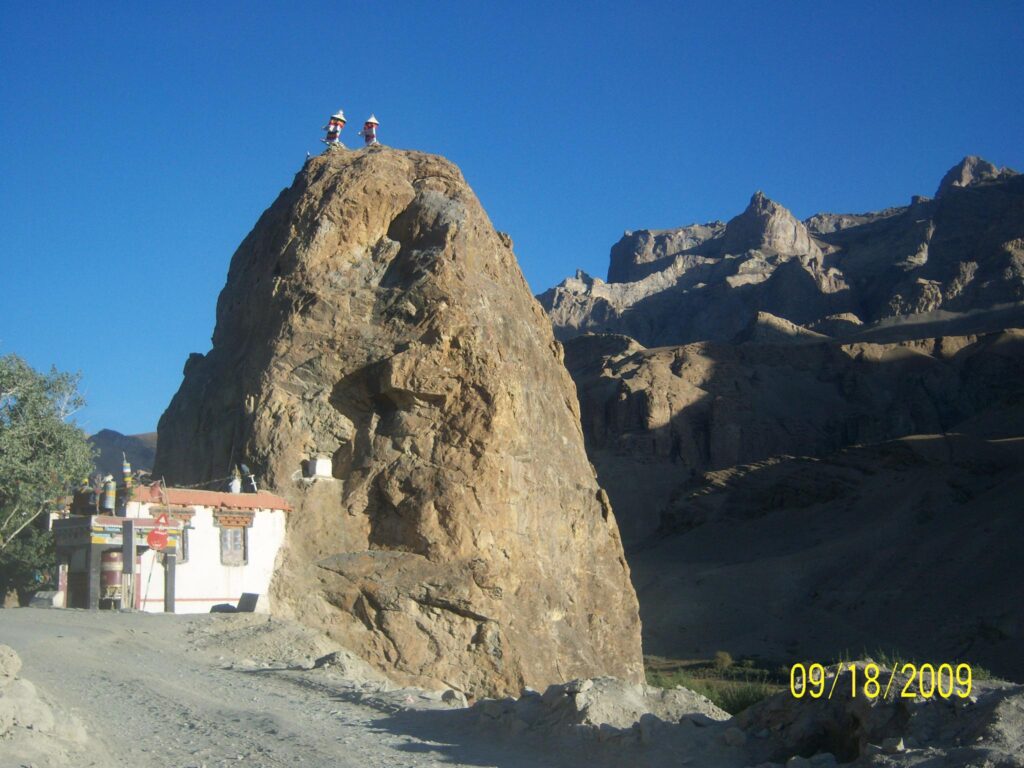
{"x":157,"y":538}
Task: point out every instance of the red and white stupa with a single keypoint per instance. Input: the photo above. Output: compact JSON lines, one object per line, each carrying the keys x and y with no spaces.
{"x":369,"y":132}
{"x":333,"y":128}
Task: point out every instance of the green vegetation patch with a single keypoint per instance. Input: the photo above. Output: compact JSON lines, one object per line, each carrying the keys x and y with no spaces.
{"x":730,"y":684}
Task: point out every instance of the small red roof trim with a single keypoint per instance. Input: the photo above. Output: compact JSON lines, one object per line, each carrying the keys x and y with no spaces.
{"x":153,"y":494}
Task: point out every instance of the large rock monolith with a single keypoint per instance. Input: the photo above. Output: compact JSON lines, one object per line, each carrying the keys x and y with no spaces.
{"x":374,"y":316}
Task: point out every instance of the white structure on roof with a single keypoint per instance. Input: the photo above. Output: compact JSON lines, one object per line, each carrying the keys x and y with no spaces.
{"x":227,"y":549}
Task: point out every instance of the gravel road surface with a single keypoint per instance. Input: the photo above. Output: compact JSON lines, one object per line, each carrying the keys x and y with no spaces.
{"x":163,"y":691}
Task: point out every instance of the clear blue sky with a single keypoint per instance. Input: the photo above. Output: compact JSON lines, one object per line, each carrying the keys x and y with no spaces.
{"x":140,"y":142}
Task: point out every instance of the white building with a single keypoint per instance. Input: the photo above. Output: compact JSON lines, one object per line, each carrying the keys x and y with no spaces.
{"x":227,"y":547}
{"x":224,"y":546}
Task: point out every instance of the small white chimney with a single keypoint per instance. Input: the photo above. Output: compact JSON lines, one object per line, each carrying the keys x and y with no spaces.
{"x":319,"y":466}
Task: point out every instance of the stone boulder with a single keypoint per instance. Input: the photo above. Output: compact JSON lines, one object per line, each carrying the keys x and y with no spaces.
{"x":375,"y":316}
{"x":31,"y":731}
{"x":595,"y":703}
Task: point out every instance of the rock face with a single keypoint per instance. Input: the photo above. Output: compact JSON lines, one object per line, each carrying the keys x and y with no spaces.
{"x":960,"y":253}
{"x":374,"y":316}
{"x":642,"y":253}
{"x":656,"y":420}
{"x":767,"y":226}
{"x":769,"y":403}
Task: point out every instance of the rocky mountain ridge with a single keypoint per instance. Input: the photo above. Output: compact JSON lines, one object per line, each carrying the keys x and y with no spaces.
{"x":962,"y":251}
{"x":770,"y":401}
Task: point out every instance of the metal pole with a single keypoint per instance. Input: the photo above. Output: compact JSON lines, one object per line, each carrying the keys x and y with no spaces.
{"x":169,"y":562}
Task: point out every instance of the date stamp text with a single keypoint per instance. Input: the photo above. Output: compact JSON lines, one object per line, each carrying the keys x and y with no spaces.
{"x":907,"y":681}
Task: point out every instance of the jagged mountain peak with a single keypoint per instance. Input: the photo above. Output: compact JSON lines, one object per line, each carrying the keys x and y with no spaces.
{"x":706,"y":282}
{"x":971,"y":170}
{"x":641,"y":252}
{"x":767,"y":225}
{"x":760,"y":201}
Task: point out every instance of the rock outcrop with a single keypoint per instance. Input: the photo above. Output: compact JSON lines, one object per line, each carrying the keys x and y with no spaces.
{"x":31,"y":731}
{"x":971,"y":170}
{"x":961,"y":253}
{"x":375,"y":317}
{"x":639,"y":254}
{"x":603,"y":722}
{"x":767,"y":226}
{"x":596,"y":706}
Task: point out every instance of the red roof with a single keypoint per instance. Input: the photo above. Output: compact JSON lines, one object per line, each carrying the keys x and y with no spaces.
{"x":187,"y":497}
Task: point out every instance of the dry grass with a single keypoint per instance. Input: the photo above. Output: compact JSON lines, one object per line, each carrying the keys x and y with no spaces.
{"x":733,"y":686}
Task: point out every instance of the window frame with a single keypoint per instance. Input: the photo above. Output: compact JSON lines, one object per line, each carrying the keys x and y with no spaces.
{"x":186,"y":526}
{"x":226,"y":553}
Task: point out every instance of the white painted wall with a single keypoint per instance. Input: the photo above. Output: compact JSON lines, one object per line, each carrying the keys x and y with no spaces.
{"x":202,"y":581}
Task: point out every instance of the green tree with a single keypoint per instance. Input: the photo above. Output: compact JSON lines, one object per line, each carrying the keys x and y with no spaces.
{"x":43,"y":456}
{"x":27,"y":562}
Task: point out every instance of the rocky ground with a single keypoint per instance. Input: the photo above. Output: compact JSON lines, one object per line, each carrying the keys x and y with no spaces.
{"x":113,"y":689}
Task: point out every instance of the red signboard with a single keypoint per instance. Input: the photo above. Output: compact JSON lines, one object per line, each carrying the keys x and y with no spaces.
{"x":157,"y":538}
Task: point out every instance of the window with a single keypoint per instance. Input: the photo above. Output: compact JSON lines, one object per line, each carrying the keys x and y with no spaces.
{"x":183,"y":543}
{"x":233,"y":546}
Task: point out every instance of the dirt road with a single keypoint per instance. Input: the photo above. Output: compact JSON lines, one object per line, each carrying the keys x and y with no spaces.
{"x":163,"y":691}
{"x":159,"y":691}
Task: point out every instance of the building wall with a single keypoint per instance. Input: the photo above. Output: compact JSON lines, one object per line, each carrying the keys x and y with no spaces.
{"x":203,"y":581}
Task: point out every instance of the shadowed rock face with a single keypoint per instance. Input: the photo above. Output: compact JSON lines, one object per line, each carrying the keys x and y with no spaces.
{"x":750,"y":401}
{"x":657,"y":420}
{"x":374,"y":315}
